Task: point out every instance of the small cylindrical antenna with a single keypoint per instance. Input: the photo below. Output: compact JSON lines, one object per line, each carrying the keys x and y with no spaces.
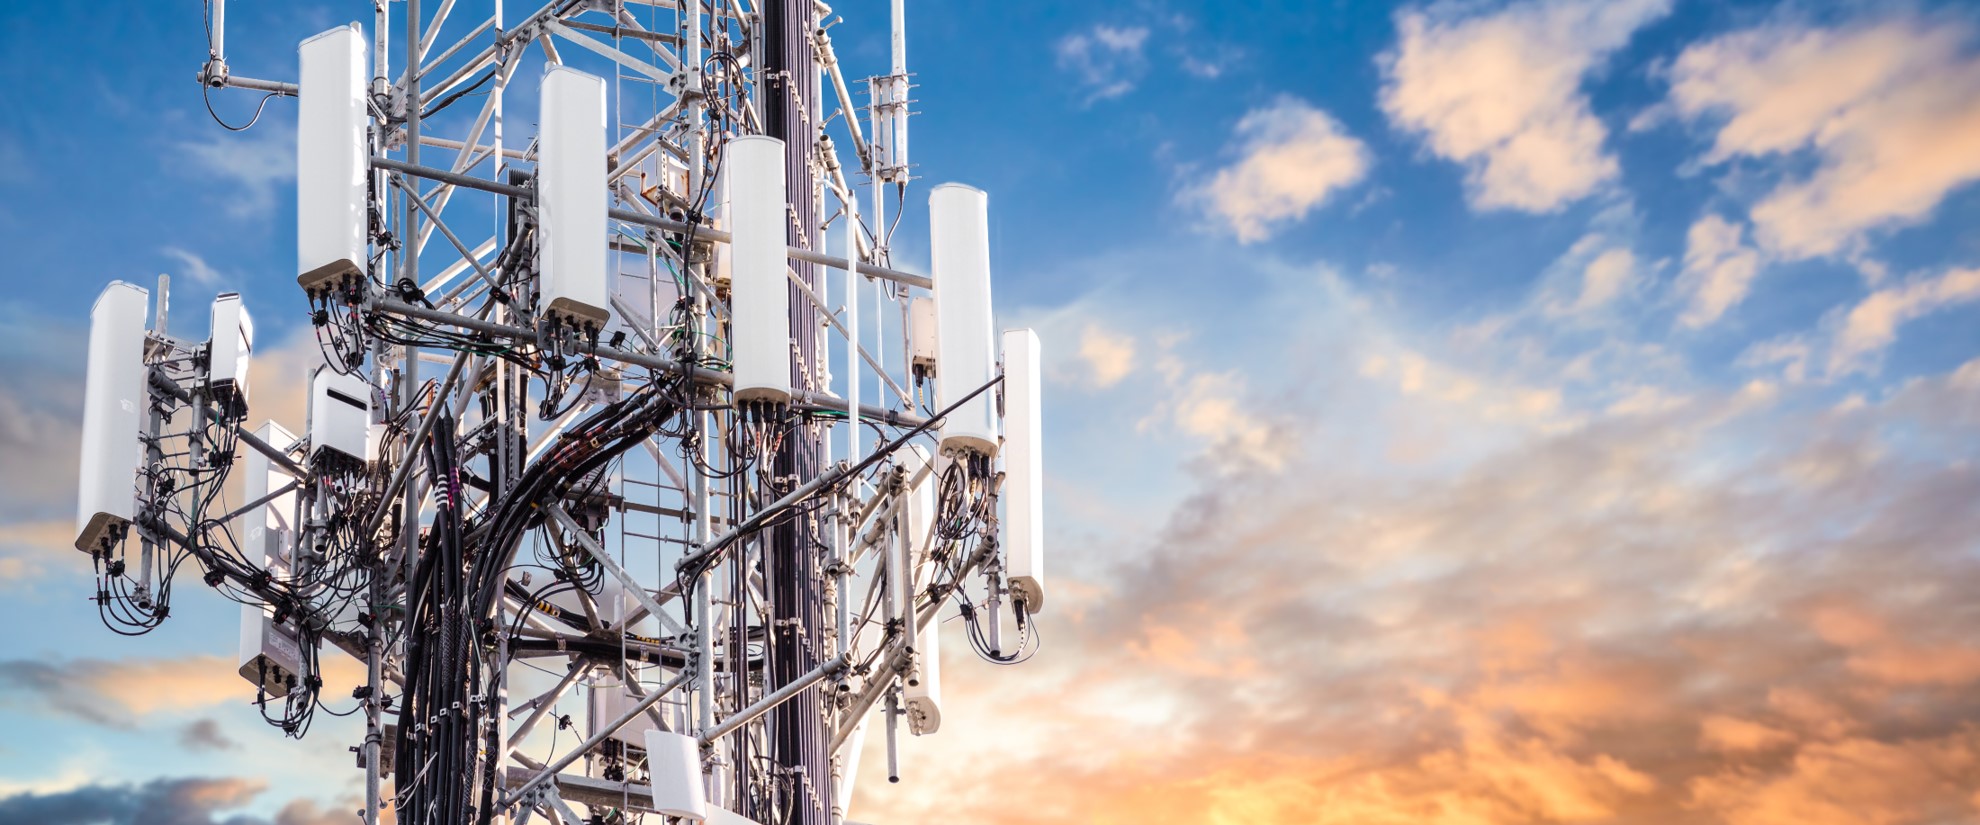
{"x":893,"y":734}
{"x":164,"y":303}
{"x":900,"y":37}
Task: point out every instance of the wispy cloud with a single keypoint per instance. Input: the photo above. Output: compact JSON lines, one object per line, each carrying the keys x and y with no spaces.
{"x":1719,"y":268}
{"x":1287,"y":158}
{"x":1500,"y":92}
{"x":118,"y":692}
{"x":205,"y":734}
{"x":253,"y":165}
{"x":1872,"y":324}
{"x":1109,"y":355}
{"x":194,"y":267}
{"x":1107,"y":61}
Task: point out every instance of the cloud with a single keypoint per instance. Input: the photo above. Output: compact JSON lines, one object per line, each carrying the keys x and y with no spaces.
{"x":1108,"y":355}
{"x":30,"y":549}
{"x":1643,"y":598}
{"x":41,"y":388}
{"x":1888,"y":110}
{"x":113,"y":692}
{"x":1734,"y":735}
{"x":1209,"y":66}
{"x":1500,"y":93}
{"x":1872,"y":324}
{"x":205,"y":735}
{"x":176,"y":801}
{"x":1627,"y":622}
{"x":159,"y":802}
{"x":1289,"y":158}
{"x":1609,"y":276}
{"x":1214,"y":407}
{"x":1106,"y":60}
{"x":258,"y":162}
{"x":1429,"y":382}
{"x":1719,"y":269}
{"x":194,"y":267}
{"x":1211,"y":407}
{"x":1789,"y":352}
{"x":1852,"y":781}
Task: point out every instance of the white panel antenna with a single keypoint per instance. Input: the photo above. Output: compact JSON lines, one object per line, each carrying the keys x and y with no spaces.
{"x":230,"y":350}
{"x":571,"y":194}
{"x":918,"y":510}
{"x":959,"y":254}
{"x":331,"y":160}
{"x":1024,"y":480}
{"x":759,"y":303}
{"x":269,"y":528}
{"x":609,"y":698}
{"x":114,"y":397}
{"x":673,"y":762}
{"x":923,"y":336}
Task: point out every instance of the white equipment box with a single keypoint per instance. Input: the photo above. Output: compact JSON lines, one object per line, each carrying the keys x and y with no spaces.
{"x":271,"y":659}
{"x":339,"y":416}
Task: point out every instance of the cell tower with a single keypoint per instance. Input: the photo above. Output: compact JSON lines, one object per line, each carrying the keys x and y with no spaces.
{"x":591,"y":433}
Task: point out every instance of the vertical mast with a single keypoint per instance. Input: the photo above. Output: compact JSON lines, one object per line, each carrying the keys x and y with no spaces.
{"x":798,"y":746}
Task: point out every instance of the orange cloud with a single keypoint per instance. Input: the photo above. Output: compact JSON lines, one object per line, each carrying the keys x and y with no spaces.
{"x":112,"y":692}
{"x":1626,"y":622}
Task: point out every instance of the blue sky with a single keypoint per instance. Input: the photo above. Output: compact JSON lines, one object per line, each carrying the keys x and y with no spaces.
{"x":1435,"y":373}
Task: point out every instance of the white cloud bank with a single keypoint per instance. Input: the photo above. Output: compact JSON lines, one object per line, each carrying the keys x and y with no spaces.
{"x":1500,"y":93}
{"x":1888,"y":110}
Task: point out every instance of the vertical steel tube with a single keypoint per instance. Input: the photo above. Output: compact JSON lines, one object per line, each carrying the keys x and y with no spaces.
{"x":374,"y":730}
{"x":851,"y":205}
{"x":705,"y":628}
{"x":893,"y":735}
{"x":409,"y":266}
{"x":502,"y":732}
{"x":842,"y":620}
{"x":217,"y":50}
{"x":375,"y":650}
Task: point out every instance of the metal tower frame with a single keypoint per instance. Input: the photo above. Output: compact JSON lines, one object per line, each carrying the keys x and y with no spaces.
{"x":547,"y":511}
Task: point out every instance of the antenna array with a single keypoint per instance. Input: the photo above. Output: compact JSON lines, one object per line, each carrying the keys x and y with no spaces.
{"x":659,"y":479}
